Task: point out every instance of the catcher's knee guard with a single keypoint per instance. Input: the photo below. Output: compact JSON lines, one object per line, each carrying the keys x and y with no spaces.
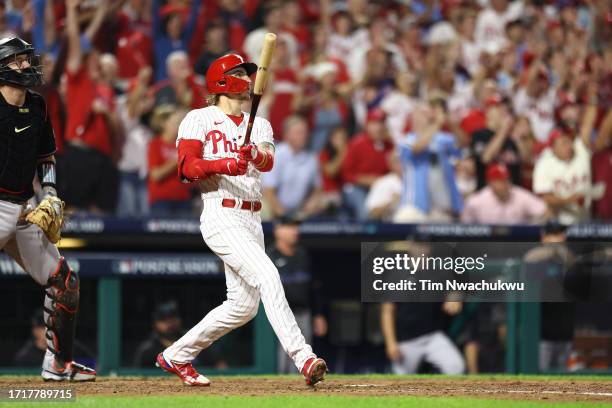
{"x":61,"y":305}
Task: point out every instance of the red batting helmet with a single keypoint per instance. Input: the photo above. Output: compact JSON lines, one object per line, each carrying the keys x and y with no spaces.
{"x":217,"y":81}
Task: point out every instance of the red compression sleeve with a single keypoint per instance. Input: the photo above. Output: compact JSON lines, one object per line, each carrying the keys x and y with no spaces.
{"x":189,"y":158}
{"x":191,"y":165}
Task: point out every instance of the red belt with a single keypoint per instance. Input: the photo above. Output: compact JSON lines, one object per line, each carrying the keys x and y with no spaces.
{"x":246,"y":205}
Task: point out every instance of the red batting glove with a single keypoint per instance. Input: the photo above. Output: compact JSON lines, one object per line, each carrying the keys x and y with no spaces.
{"x":243,"y":165}
{"x":258,"y":157}
{"x":248,"y":152}
{"x":231,"y":167}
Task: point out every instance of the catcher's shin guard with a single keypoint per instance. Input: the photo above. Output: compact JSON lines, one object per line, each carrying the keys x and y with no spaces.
{"x":61,"y":305}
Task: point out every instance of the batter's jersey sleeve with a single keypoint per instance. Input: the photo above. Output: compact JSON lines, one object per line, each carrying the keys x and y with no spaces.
{"x":46,"y":139}
{"x":265,"y":133}
{"x":192,"y":127}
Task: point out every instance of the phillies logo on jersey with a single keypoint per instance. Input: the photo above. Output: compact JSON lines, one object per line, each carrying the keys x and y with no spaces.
{"x":573,"y":184}
{"x":219,"y":142}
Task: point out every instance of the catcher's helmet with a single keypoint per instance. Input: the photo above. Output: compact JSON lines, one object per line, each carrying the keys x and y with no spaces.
{"x":10,"y":48}
{"x":218,"y":82}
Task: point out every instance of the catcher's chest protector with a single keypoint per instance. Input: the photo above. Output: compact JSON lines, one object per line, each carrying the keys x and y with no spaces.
{"x":20,"y":128}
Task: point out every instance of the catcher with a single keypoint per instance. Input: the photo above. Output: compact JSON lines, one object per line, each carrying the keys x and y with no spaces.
{"x":27,"y":146}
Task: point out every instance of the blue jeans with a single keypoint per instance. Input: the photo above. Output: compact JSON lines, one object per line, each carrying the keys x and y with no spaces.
{"x":133,"y":195}
{"x":354,"y":198}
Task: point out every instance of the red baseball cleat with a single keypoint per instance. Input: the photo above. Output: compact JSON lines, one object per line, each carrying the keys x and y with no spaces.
{"x":185,"y":371}
{"x":314,"y":370}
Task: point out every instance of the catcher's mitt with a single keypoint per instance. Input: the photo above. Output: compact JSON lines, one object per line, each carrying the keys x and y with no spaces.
{"x":49,"y":216}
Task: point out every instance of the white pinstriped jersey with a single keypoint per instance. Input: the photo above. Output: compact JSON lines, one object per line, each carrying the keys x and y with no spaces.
{"x":222,"y":139}
{"x":236,"y":236}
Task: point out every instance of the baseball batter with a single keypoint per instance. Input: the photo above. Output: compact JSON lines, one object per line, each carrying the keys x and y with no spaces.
{"x":27,"y":147}
{"x":212,"y":153}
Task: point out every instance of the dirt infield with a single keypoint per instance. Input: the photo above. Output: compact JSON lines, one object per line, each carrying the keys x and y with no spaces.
{"x":481,"y":387}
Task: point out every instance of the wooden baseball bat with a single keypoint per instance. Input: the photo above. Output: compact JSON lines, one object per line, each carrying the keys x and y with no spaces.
{"x":260,"y":80}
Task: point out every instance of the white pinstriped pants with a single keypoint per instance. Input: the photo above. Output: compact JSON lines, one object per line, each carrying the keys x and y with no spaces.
{"x":237,"y":238}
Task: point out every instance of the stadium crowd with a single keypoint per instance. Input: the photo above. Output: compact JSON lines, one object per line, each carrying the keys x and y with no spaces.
{"x":483,"y":111}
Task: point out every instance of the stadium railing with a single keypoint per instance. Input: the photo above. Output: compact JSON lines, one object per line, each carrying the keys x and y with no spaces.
{"x":84,"y":235}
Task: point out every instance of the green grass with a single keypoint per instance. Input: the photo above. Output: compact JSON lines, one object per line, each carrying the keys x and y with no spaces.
{"x":475,"y":377}
{"x":302,"y":402}
{"x":509,"y":377}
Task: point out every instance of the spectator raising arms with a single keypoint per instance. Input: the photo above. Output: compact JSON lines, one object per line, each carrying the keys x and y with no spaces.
{"x":494,"y":144}
{"x":429,"y":190}
{"x":562,"y":174}
{"x":215,"y":46}
{"x":528,"y":147}
{"x":133,"y":196}
{"x":92,"y":130}
{"x":492,"y":20}
{"x":398,"y":104}
{"x":134,"y":49}
{"x":536,"y":100}
{"x":326,"y":107}
{"x":172,"y":28}
{"x":273,"y":19}
{"x":504,"y":74}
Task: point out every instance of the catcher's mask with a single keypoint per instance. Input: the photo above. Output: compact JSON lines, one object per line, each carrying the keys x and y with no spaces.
{"x":219,"y":82}
{"x":15,"y":50}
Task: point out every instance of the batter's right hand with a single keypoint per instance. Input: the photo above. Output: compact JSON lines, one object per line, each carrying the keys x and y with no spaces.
{"x":234,"y":167}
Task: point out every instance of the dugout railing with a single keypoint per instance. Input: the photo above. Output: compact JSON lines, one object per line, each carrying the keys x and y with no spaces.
{"x":110,"y":270}
{"x":89,"y":241}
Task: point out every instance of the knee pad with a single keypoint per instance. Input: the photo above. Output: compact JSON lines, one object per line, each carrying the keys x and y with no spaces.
{"x":61,"y":305}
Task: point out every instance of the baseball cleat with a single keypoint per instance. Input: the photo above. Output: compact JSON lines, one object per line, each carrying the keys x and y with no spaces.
{"x":184,"y":371}
{"x":314,"y":370}
{"x":70,"y":371}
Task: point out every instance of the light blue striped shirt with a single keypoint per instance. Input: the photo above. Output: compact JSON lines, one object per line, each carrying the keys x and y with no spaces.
{"x":294,"y":176}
